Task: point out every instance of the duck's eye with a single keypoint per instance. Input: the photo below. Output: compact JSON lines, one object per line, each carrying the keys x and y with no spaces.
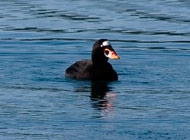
{"x":106,"y":52}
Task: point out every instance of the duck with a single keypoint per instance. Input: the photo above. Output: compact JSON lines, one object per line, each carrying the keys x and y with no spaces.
{"x":98,"y":68}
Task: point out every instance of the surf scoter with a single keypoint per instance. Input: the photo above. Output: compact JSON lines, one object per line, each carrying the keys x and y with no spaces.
{"x":98,"y":68}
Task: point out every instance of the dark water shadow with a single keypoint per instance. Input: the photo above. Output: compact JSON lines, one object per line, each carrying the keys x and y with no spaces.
{"x":99,"y":95}
{"x":99,"y":92}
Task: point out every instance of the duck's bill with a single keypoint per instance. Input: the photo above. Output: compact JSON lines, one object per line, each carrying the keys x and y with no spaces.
{"x":111,"y":54}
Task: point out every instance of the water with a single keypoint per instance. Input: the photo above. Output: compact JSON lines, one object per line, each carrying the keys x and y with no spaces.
{"x":39,"y":39}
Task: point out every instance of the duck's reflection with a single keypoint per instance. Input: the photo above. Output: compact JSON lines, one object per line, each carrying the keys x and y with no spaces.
{"x":100,"y":97}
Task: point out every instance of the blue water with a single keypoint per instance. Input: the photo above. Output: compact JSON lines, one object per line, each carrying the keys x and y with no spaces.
{"x":40,"y":39}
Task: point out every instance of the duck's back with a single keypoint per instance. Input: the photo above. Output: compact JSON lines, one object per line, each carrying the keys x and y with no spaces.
{"x":80,"y":70}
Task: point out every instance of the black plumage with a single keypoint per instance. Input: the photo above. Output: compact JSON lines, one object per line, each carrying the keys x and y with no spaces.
{"x":98,"y":68}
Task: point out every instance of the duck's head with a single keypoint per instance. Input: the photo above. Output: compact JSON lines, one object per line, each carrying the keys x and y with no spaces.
{"x":102,"y":50}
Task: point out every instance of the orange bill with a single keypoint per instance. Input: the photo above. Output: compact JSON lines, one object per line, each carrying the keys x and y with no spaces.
{"x":111,"y":54}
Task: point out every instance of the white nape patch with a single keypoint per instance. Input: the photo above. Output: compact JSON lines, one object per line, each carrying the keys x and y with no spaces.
{"x":105,"y":43}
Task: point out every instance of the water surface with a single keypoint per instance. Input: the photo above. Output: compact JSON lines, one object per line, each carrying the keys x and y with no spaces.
{"x":40,"y":39}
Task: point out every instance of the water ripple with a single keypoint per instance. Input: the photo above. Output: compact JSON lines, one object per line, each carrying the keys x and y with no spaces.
{"x":159,"y":17}
{"x":40,"y":39}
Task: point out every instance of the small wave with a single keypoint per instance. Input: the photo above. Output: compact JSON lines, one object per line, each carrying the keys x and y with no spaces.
{"x":143,"y":32}
{"x":157,"y":48}
{"x":35,"y":29}
{"x":159,"y":17}
{"x":152,"y":41}
{"x":63,"y":14}
{"x":25,"y":87}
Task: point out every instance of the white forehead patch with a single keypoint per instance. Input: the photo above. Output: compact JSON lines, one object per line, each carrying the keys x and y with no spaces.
{"x":105,"y":43}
